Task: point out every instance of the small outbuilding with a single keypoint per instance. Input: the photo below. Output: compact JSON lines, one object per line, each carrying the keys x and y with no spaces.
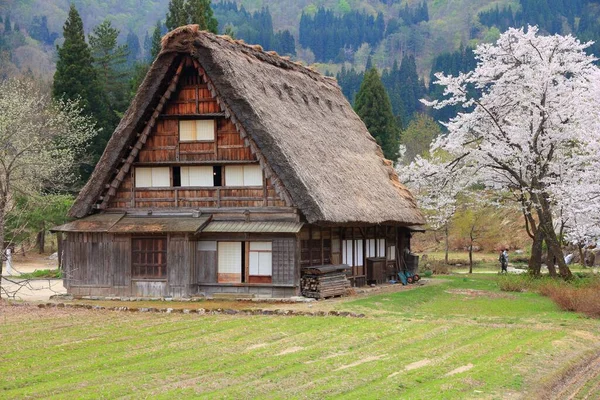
{"x":232,"y":169}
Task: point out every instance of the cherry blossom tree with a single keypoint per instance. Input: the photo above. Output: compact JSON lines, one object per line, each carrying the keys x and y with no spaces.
{"x":535,"y":118}
{"x":41,"y":144}
{"x":437,"y":189}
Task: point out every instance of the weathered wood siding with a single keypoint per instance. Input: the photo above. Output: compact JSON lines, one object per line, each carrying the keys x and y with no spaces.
{"x":178,"y":266}
{"x":163,"y":148}
{"x":284,"y":261}
{"x":205,"y":266}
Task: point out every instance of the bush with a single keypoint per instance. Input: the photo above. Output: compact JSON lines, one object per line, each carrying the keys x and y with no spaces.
{"x":438,"y":267}
{"x":515,"y":283}
{"x":580,"y":294}
{"x":43,"y":274}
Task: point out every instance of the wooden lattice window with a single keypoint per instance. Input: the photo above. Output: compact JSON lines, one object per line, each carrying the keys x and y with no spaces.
{"x":149,"y":258}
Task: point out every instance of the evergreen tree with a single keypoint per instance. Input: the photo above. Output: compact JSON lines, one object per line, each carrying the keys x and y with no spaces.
{"x":109,"y":63}
{"x":156,"y":38}
{"x":177,"y":14}
{"x":7,"y":25}
{"x":75,"y":75}
{"x":199,"y":12}
{"x":133,"y":46}
{"x":75,"y":78}
{"x":147,"y":47}
{"x":374,"y":108}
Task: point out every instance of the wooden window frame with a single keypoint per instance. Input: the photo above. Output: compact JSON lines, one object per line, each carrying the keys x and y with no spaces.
{"x":159,"y":270}
{"x":215,"y":126}
{"x":258,"y":278}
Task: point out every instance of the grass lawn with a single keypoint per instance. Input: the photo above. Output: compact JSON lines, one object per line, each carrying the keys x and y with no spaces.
{"x":455,"y":337}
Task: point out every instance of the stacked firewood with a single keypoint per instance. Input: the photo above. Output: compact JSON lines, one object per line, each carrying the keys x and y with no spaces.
{"x":324,"y":282}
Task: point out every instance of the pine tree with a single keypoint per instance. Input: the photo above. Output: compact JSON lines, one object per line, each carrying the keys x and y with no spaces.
{"x":199,"y":12}
{"x":7,"y":25}
{"x":374,"y":108}
{"x":133,"y":46}
{"x":109,"y":63}
{"x":177,"y":14}
{"x":75,"y":78}
{"x":156,"y":38}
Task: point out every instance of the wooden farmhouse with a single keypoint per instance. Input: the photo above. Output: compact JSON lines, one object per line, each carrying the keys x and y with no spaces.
{"x":232,"y":169}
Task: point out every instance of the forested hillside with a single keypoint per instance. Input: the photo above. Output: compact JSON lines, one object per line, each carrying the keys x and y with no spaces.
{"x":407,"y":40}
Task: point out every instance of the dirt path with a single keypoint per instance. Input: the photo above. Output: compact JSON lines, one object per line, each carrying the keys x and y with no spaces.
{"x":580,"y":382}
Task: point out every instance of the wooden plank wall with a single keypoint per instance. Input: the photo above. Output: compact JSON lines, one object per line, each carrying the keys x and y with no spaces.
{"x":193,"y":99}
{"x":205,"y":266}
{"x":284,"y":261}
{"x":178,"y":265}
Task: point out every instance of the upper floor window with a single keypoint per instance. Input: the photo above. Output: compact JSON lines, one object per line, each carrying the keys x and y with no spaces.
{"x":243,"y":175}
{"x":152,"y":177}
{"x":197,"y":130}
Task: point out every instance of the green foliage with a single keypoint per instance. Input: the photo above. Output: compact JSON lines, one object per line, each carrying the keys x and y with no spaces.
{"x":417,"y":137}
{"x":374,"y":108}
{"x":75,"y":76}
{"x":77,"y":79}
{"x":184,"y":12}
{"x":200,"y":12}
{"x":43,"y":274}
{"x":156,"y":38}
{"x":255,"y":28}
{"x":177,"y":15}
{"x":110,"y":61}
{"x":31,"y":214}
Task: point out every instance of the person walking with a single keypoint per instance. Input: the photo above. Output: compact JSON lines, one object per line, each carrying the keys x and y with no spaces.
{"x":504,"y":260}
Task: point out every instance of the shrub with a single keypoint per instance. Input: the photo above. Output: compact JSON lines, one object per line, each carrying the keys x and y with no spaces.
{"x":578,"y":295}
{"x":43,"y":273}
{"x":438,"y":267}
{"x":515,"y":283}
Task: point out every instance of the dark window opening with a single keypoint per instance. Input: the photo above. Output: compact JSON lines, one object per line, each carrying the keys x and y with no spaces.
{"x":217,"y":174}
{"x":176,"y":176}
{"x":243,"y":262}
{"x":149,"y":258}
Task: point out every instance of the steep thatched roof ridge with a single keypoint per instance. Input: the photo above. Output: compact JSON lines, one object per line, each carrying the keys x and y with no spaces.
{"x":329,"y":164}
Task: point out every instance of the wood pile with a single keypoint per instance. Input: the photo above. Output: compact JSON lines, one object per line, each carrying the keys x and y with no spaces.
{"x":324,"y":281}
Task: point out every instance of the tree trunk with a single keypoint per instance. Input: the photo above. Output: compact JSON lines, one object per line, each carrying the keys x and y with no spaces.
{"x":42,"y":238}
{"x":544,"y":213}
{"x":550,"y":262}
{"x":2,"y":249}
{"x":581,"y":256}
{"x":471,"y":258}
{"x":535,"y":261}
{"x":446,"y":233}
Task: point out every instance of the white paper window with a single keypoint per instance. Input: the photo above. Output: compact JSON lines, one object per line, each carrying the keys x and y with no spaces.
{"x":234,"y":175}
{"x":391,"y":253}
{"x":243,"y":175}
{"x":381,"y":247}
{"x":358,"y":253}
{"x":203,"y":129}
{"x":370,"y":247}
{"x":347,"y":253}
{"x":252,"y":175}
{"x":229,"y":257}
{"x":197,"y":176}
{"x":207,"y":245}
{"x":261,"y":261}
{"x":152,"y":177}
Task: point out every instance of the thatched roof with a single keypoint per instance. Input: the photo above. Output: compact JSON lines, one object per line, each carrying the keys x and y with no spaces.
{"x":329,"y":165}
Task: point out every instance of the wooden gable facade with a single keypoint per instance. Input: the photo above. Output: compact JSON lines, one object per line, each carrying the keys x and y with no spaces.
{"x":187,"y":200}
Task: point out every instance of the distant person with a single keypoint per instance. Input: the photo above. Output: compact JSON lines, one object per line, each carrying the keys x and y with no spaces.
{"x":504,"y":260}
